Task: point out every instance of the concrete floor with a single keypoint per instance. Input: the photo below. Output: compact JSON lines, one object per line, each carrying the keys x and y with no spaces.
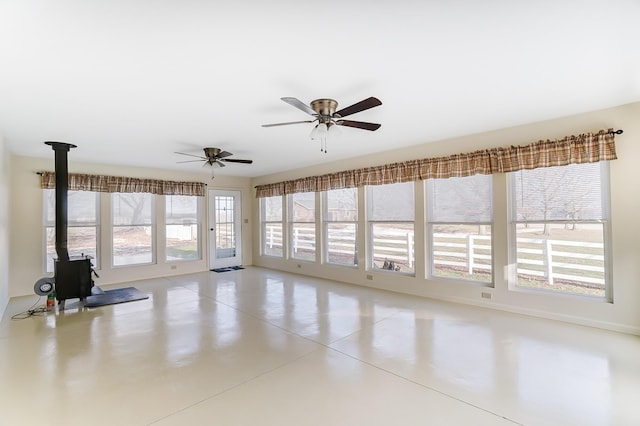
{"x":261,"y":347}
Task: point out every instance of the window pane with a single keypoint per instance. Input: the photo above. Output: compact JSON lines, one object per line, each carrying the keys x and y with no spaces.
{"x":182,"y":242}
{"x":393,"y":246}
{"x":132,"y":209}
{"x":341,"y":205}
{"x":303,"y":207}
{"x":340,"y":216}
{"x":182,"y":229}
{"x":81,"y":240}
{"x":181,"y":209}
{"x":272,"y":242}
{"x":462,"y":251}
{"x":303,"y":241}
{"x":81,"y":207}
{"x":132,"y":245}
{"x":391,"y":202}
{"x":341,"y":244}
{"x":272,"y":239}
{"x":132,"y":217}
{"x":302,"y":226}
{"x":572,"y":192}
{"x":567,"y":258}
{"x":225,"y":213}
{"x":82,"y":230}
{"x":272,"y":209}
{"x":460,"y":200}
{"x":460,"y":216}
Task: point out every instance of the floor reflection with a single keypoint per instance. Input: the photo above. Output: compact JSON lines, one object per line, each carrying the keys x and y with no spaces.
{"x":205,"y":336}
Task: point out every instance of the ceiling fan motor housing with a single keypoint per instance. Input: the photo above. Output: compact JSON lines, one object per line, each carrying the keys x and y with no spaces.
{"x":212,"y":152}
{"x":324,"y":107}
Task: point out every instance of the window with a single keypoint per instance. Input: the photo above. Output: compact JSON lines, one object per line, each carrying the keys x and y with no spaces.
{"x":340,"y":215}
{"x":132,"y":218}
{"x":391,"y":212}
{"x":82,"y":230}
{"x":302,"y":226}
{"x":559,"y":218}
{"x":225,"y":217}
{"x":460,"y":217}
{"x":271,"y":214}
{"x":182,"y":213}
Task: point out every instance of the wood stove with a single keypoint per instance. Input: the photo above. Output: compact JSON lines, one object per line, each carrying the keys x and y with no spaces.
{"x":72,"y":274}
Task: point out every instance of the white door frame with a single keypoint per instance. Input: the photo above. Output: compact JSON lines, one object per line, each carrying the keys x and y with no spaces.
{"x":231,"y":256}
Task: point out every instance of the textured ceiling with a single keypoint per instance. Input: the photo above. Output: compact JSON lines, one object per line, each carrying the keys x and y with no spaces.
{"x":131,"y":82}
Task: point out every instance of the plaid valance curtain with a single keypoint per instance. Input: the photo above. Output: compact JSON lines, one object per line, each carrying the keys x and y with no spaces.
{"x":100,"y":183}
{"x":586,"y":148}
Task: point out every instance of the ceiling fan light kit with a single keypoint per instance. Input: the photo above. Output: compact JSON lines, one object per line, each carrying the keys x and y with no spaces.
{"x":328,"y":119}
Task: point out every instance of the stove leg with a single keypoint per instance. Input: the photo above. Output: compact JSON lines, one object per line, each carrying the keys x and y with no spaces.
{"x":61,"y":305}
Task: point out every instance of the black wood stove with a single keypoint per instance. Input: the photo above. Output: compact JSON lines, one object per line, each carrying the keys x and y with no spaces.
{"x":73,"y":278}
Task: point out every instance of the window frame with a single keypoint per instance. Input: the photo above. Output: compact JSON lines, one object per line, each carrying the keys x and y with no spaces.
{"x":70,"y":224}
{"x":431,"y":223}
{"x":292,"y":222}
{"x":152,"y":225}
{"x":605,"y":222}
{"x":326,"y":222}
{"x":371,"y":223}
{"x":265,"y":223}
{"x":197,"y":223}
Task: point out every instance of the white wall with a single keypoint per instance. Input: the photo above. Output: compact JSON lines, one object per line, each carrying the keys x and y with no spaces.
{"x":26,"y":238}
{"x":4,"y":227}
{"x":621,"y":315}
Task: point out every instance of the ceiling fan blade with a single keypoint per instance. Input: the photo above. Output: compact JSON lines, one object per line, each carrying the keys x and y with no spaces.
{"x":359,"y":124}
{"x":295,"y":102}
{"x":235,"y":160}
{"x":188,"y":161}
{"x":191,"y":155}
{"x":223,"y":154}
{"x":360,"y":106}
{"x":286,"y":124}
{"x":218,"y":164}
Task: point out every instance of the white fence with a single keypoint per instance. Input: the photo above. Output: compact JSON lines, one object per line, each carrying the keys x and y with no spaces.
{"x":182,"y":232}
{"x":569,"y":264}
{"x":467,"y":251}
{"x":551,"y":259}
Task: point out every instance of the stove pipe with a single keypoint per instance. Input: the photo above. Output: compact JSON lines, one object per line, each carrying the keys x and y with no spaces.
{"x":62,"y":186}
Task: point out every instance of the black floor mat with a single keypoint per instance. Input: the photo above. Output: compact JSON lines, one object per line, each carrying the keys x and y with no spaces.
{"x":118,"y":295}
{"x":231,"y":268}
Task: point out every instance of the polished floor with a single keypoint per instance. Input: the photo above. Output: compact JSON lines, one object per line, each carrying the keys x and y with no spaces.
{"x":261,"y":347}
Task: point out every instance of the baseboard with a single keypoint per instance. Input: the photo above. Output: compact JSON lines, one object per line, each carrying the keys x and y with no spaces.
{"x":605,"y":325}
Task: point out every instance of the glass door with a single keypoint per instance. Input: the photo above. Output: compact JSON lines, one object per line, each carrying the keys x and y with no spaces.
{"x":225,"y":229}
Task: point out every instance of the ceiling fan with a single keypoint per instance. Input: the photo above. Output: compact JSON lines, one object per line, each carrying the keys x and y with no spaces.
{"x":214,"y":157}
{"x":324,"y":112}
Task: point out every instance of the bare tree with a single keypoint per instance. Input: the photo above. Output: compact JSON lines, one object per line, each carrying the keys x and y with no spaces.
{"x":556,"y":193}
{"x":134,"y":207}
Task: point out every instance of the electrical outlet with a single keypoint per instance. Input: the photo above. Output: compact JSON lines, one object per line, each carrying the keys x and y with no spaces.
{"x":485,"y":295}
{"x":174,"y":267}
{"x":370,"y":277}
